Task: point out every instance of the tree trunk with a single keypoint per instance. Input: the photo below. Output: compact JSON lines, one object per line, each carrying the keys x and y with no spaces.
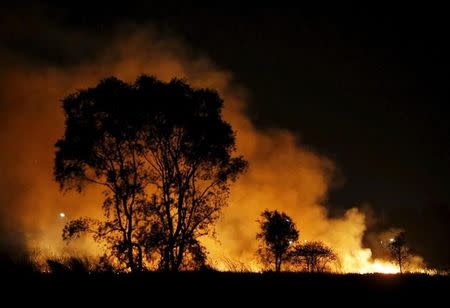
{"x":173,"y":266}
{"x":131,"y":264}
{"x":179,"y":258}
{"x":277,"y":264}
{"x":170,"y":260}
{"x":167,"y":258}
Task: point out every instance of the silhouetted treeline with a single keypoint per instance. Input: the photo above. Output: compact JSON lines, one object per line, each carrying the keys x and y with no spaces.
{"x":279,"y":244}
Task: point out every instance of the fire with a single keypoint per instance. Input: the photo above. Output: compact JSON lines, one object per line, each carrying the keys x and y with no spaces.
{"x":362,"y":262}
{"x":382,"y":267}
{"x":283,"y":174}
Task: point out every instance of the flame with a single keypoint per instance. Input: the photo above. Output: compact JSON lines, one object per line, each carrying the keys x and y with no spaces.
{"x":381,"y":267}
{"x":283,"y":174}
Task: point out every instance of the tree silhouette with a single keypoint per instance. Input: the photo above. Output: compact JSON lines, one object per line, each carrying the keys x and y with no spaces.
{"x":399,"y":251}
{"x":314,"y":256}
{"x":278,"y":233}
{"x":162,"y":152}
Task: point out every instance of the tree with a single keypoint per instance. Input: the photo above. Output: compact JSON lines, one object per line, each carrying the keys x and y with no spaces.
{"x":399,"y":251}
{"x":190,"y":160}
{"x":163,"y":154}
{"x":278,"y":233}
{"x":314,"y":256}
{"x":103,"y":145}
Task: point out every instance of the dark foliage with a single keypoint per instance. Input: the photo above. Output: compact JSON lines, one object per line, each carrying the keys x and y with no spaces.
{"x":278,"y":234}
{"x":163,"y":155}
{"x":313,"y":256}
{"x":70,"y":265}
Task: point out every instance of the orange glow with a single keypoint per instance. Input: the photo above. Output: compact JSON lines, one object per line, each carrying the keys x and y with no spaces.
{"x":385,"y":268}
{"x":283,"y":175}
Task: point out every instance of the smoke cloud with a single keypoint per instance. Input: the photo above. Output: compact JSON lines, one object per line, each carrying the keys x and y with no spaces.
{"x":283,"y":175}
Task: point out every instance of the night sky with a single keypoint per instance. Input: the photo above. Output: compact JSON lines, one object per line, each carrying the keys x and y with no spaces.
{"x":368,"y":88}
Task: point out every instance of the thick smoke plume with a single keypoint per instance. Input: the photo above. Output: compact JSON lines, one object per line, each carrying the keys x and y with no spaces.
{"x":282,"y":175}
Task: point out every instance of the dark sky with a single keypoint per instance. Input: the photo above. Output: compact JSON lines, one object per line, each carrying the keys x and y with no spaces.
{"x":368,"y":87}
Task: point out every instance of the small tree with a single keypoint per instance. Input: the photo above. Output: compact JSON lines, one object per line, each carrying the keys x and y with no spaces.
{"x":278,"y":233}
{"x":399,"y":251}
{"x":314,"y":256}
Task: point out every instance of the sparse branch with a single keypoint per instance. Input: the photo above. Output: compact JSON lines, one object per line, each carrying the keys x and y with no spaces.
{"x":86,"y":178}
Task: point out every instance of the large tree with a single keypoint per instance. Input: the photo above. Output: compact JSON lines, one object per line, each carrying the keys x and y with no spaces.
{"x":277,"y":236}
{"x":164,"y":155}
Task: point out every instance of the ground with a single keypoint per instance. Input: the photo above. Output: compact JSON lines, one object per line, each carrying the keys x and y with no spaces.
{"x":216,"y":289}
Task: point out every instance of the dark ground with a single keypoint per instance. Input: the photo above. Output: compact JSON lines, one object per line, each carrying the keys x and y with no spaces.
{"x":224,"y":289}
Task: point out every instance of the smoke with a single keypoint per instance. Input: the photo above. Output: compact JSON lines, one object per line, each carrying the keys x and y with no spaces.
{"x":283,"y":175}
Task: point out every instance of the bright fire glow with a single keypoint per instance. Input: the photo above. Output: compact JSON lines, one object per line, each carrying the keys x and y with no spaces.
{"x":381,"y":267}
